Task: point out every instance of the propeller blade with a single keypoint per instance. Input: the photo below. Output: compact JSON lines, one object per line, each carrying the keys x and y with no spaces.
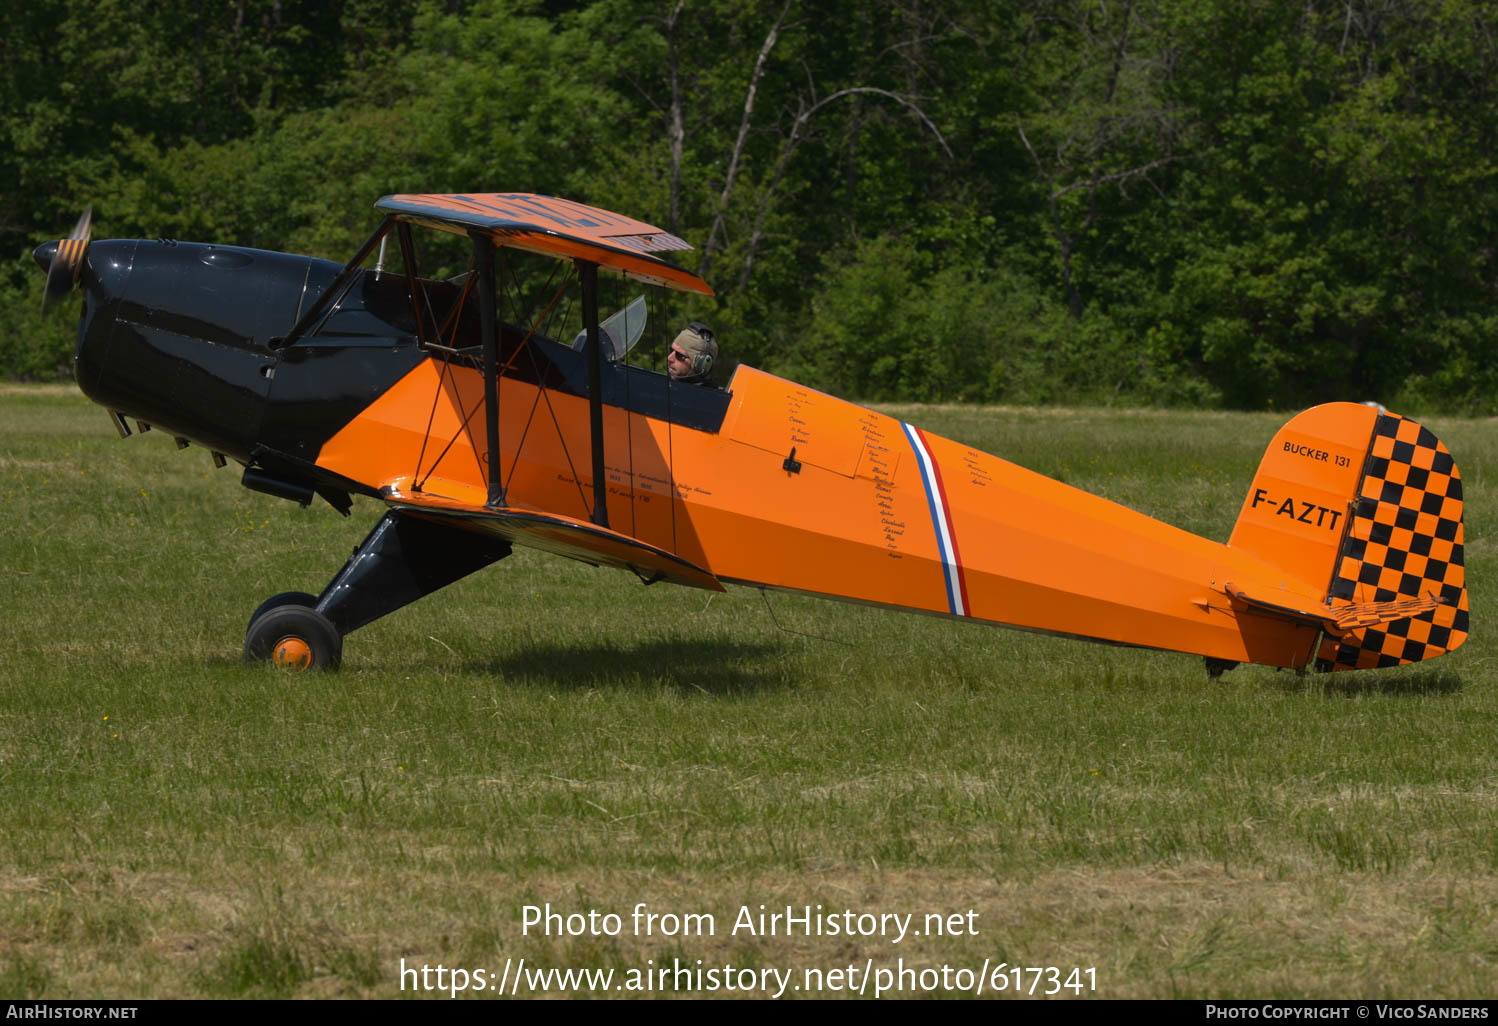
{"x":66,"y":260}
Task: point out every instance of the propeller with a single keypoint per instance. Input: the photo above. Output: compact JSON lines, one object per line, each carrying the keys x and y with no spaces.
{"x":64,"y":260}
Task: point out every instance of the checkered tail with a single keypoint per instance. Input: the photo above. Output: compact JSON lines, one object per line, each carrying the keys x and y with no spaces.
{"x":1404,"y":540}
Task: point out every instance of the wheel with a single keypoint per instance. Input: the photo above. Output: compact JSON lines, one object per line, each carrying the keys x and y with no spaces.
{"x":286,"y":598}
{"x":294,"y":636}
{"x":1217,"y":667}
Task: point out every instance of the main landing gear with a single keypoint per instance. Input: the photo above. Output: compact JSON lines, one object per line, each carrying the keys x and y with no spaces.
{"x":402,"y":559}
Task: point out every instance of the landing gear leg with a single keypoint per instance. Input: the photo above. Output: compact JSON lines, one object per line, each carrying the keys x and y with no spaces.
{"x":404,"y":558}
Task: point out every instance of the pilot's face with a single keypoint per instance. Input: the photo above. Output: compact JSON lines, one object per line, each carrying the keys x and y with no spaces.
{"x":678,"y":364}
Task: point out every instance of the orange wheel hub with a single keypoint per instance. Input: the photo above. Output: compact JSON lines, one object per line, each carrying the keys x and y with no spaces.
{"x":293,"y":653}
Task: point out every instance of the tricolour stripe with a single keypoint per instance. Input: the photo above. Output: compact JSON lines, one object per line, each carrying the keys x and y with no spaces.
{"x":941,"y":520}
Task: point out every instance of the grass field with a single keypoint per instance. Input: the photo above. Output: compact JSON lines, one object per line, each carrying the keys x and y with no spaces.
{"x":178,"y":824}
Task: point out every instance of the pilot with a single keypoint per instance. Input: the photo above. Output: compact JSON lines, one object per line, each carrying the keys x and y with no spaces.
{"x":692,"y":354}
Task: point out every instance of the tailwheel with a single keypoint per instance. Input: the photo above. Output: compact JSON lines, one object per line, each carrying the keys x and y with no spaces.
{"x":1217,"y":667}
{"x":293,"y":636}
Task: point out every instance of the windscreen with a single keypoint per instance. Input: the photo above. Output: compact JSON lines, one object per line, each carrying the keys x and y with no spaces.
{"x":619,"y":331}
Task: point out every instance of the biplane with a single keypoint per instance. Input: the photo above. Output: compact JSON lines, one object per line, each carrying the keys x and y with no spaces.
{"x":482,"y":423}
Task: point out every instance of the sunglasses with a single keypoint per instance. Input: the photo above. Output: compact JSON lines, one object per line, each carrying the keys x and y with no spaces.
{"x":678,"y":354}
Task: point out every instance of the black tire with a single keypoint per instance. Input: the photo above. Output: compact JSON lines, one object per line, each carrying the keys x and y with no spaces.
{"x":296,"y":637}
{"x":286,"y":598}
{"x":1217,"y":667}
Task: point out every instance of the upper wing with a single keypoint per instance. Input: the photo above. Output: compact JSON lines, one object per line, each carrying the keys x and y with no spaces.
{"x":555,"y":227}
{"x":563,"y":536}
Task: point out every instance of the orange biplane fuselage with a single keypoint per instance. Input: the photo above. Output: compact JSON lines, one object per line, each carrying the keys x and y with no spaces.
{"x":480,"y":435}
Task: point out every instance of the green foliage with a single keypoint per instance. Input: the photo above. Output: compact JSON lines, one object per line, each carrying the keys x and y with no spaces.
{"x":1169,"y":202}
{"x":34,"y":347}
{"x":886,"y":325}
{"x":889,"y":322}
{"x":1343,"y":210}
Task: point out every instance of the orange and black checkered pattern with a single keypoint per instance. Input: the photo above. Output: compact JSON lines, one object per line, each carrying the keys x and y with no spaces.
{"x":1404,"y":540}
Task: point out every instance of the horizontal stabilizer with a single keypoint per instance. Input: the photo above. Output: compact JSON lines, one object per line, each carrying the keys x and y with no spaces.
{"x":1371,"y":614}
{"x":1339,"y":620}
{"x":562,"y":536}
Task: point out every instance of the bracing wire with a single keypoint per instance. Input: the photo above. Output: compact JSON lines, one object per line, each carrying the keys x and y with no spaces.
{"x":764,"y":594}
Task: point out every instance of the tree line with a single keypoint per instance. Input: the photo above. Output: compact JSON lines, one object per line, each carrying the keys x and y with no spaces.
{"x":1207,"y":202}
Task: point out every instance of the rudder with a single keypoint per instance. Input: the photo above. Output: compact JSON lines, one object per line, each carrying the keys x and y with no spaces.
{"x":1405,"y":539}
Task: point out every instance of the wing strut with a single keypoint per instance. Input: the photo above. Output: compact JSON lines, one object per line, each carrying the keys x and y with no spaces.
{"x":337,"y":287}
{"x":483,"y":266}
{"x":587,"y":274}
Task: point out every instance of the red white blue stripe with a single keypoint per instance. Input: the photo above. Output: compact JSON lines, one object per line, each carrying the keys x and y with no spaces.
{"x":941,"y":520}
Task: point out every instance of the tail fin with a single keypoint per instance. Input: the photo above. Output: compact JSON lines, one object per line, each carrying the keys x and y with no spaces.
{"x":1364,"y":507}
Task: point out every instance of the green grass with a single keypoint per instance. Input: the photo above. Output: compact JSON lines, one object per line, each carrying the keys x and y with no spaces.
{"x":177,"y":824}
